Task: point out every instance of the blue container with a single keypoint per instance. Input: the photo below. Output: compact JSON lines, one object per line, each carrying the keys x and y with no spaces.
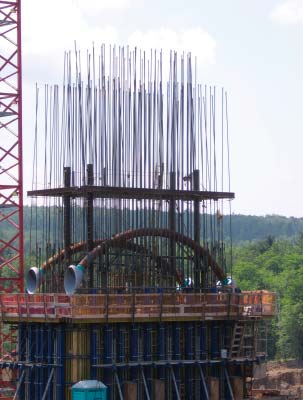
{"x":89,"y":390}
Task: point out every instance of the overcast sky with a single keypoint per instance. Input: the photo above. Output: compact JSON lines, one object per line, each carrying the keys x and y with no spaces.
{"x":253,"y":48}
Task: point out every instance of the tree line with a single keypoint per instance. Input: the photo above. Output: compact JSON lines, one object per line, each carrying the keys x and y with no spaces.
{"x":276,"y":265}
{"x":267,"y":254}
{"x":241,"y":228}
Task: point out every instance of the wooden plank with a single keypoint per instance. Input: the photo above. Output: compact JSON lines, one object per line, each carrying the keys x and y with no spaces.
{"x":237,"y":385}
{"x":214,"y":388}
{"x":74,"y":352}
{"x":130,"y":391}
{"x":158,"y":389}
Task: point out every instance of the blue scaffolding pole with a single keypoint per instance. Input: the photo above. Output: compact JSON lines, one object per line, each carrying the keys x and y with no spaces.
{"x":93,"y":351}
{"x":134,"y":352}
{"x":161,"y":349}
{"x":61,"y":362}
{"x":108,"y":357}
{"x":189,"y":329}
{"x":147,"y":356}
{"x":50,"y":355}
{"x":177,"y":351}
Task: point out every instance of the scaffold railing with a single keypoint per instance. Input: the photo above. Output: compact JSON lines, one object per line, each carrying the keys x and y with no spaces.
{"x":134,"y":306}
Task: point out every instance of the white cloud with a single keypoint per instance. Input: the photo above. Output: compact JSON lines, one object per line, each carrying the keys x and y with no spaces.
{"x":104,"y":4}
{"x":288,"y":12}
{"x":50,"y":30}
{"x":47,"y":33}
{"x":196,"y":41}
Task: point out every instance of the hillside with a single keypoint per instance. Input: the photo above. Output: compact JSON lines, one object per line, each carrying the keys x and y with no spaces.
{"x":243,"y":227}
{"x":251,"y":227}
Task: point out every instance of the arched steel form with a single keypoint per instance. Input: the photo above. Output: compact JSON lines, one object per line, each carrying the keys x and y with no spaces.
{"x":124,"y":240}
{"x":123,"y":237}
{"x":74,"y":274}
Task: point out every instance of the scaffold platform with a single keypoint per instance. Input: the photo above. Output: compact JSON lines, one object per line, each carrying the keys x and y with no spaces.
{"x":96,"y":308}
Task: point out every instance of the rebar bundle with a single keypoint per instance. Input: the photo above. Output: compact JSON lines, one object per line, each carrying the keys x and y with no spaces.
{"x":120,"y":125}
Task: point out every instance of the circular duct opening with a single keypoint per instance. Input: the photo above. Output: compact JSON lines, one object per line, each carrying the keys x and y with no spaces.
{"x":72,"y":279}
{"x":32,"y":280}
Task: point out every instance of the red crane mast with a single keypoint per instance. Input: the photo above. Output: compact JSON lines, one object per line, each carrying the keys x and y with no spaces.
{"x":11,"y":185}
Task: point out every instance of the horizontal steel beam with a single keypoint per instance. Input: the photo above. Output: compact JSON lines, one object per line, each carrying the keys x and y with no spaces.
{"x":180,"y":363}
{"x":114,"y":192}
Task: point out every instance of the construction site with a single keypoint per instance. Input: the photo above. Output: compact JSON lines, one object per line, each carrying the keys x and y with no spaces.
{"x":129,"y":280}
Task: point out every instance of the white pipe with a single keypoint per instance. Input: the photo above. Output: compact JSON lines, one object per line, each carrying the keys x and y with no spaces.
{"x":73,"y":278}
{"x":34,"y":278}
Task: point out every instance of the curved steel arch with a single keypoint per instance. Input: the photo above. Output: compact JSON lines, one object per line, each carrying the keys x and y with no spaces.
{"x":80,"y":246}
{"x":121,"y":238}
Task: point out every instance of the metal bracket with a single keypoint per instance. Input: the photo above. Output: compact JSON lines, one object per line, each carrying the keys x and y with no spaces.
{"x":119,"y":386}
{"x":48,"y":383}
{"x":175,"y":383}
{"x":229,"y":384}
{"x":203,"y":382}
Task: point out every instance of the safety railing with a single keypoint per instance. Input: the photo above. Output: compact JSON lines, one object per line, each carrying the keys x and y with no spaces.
{"x":139,"y":306}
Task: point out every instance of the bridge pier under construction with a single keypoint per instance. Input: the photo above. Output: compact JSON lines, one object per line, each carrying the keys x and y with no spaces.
{"x":129,"y":280}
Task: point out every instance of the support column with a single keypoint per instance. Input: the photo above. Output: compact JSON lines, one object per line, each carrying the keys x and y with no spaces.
{"x":215,"y":339}
{"x":203,"y":341}
{"x":21,"y":352}
{"x":161,"y":349}
{"x":197,"y":263}
{"x":203,"y":356}
{"x":108,"y":357}
{"x":134,"y":351}
{"x":147,"y":350}
{"x":38,"y":369}
{"x":90,"y":221}
{"x":120,"y":349}
{"x":188,"y":327}
{"x":61,"y":363}
{"x":67,"y":218}
{"x":29,"y":384}
{"x":177,"y":350}
{"x":93,"y":351}
{"x":50,"y":355}
{"x":172,"y":225}
{"x":120,"y":343}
